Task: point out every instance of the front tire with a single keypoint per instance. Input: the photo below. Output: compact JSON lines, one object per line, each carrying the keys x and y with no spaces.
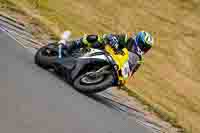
{"x":102,"y":85}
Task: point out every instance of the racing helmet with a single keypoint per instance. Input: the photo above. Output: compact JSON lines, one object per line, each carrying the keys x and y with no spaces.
{"x":144,"y":41}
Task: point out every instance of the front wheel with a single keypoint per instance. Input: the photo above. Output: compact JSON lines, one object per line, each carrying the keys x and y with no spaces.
{"x":90,"y":82}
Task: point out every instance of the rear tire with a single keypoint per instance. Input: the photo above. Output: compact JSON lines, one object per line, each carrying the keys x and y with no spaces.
{"x":43,"y":60}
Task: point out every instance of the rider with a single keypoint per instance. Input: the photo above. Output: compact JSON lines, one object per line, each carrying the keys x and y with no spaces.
{"x":137,"y":45}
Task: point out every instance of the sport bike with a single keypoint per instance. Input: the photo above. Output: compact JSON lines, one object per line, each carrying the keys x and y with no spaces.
{"x":88,"y":70}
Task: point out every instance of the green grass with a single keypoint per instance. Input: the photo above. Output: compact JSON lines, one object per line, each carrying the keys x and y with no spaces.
{"x":169,"y":81}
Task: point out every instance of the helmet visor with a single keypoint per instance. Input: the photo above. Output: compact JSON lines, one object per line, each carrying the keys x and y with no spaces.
{"x":145,"y":47}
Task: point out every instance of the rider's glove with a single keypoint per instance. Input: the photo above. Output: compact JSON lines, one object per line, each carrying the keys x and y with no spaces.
{"x":114,"y":45}
{"x":112,"y":40}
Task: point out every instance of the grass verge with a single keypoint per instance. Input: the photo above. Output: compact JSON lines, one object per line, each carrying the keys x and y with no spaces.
{"x":161,"y":113}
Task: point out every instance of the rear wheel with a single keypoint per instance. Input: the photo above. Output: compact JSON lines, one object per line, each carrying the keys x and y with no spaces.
{"x":93,"y":81}
{"x":45,"y":56}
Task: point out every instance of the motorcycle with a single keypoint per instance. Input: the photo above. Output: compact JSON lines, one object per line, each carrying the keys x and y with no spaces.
{"x":88,"y":70}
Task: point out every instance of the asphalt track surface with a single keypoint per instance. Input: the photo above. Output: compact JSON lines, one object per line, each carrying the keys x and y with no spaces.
{"x":33,"y":100}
